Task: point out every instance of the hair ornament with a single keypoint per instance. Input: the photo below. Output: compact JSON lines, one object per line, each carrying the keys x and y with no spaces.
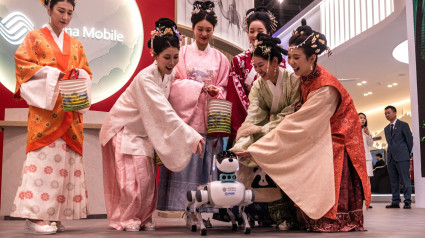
{"x":161,"y":31}
{"x":302,"y":43}
{"x":265,"y":50}
{"x":207,"y":6}
{"x":271,"y":16}
{"x":177,"y":33}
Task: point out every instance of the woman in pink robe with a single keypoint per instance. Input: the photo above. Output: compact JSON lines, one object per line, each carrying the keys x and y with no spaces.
{"x":201,"y":75}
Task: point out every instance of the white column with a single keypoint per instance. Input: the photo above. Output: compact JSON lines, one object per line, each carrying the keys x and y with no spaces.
{"x":419,"y":180}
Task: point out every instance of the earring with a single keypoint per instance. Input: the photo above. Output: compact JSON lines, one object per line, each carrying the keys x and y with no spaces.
{"x":275,"y":71}
{"x":311,"y":67}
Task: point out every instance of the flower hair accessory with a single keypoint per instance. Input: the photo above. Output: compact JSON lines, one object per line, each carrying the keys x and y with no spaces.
{"x":161,"y":31}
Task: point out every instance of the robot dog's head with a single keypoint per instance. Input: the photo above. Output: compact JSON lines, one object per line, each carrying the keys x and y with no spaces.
{"x":226,"y":162}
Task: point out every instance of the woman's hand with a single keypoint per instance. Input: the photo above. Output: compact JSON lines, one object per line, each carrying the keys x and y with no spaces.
{"x":77,"y":73}
{"x":366,"y":130}
{"x":199,"y":147}
{"x":61,"y":75}
{"x":212,"y":91}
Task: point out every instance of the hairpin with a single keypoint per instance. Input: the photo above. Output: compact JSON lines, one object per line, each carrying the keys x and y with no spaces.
{"x":302,"y":43}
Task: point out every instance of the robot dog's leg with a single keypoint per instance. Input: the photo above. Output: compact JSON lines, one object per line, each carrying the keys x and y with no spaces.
{"x":247,"y":227}
{"x":232,"y":217}
{"x":201,"y":198}
{"x":190,"y":196}
{"x":248,"y":199}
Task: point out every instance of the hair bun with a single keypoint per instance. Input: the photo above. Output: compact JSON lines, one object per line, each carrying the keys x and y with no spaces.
{"x":303,"y":22}
{"x":208,"y":5}
{"x":261,"y":9}
{"x":267,"y":39}
{"x":165,"y":22}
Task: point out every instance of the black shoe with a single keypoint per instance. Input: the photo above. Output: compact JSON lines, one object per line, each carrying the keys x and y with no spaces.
{"x":370,"y":207}
{"x":407,"y":206}
{"x":392,"y":205}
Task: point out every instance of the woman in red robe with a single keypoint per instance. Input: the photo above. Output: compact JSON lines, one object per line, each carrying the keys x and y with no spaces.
{"x":316,"y":155}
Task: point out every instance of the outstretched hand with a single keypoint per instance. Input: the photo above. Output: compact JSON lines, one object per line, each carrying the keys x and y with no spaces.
{"x":212,"y":91}
{"x":199,"y":147}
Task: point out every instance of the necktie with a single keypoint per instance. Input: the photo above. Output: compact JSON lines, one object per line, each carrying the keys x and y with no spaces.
{"x":391,"y":129}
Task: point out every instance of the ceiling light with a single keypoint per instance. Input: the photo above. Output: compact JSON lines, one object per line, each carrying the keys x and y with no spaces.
{"x":400,"y":52}
{"x":390,"y":86}
{"x":280,"y":1}
{"x":359,"y":84}
{"x":369,"y":93}
{"x":365,"y":94}
{"x":395,"y":84}
{"x":363,"y":82}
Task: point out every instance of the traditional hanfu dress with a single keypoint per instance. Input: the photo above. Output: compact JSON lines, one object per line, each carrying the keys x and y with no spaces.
{"x":368,"y":141}
{"x":269,"y":104}
{"x":141,"y":121}
{"x":241,"y":79}
{"x":53,"y":181}
{"x":316,"y":156}
{"x":196,"y":69}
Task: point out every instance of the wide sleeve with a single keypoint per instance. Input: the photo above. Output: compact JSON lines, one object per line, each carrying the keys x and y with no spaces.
{"x":252,"y":125}
{"x":236,"y":91}
{"x":298,"y":153}
{"x":26,"y":63}
{"x":42,"y":89}
{"x":184,"y":97}
{"x":222,"y":77}
{"x":173,"y":140}
{"x":292,"y":94}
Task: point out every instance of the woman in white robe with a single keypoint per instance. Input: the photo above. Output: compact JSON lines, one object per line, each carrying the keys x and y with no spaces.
{"x":368,"y":142}
{"x":141,"y":123}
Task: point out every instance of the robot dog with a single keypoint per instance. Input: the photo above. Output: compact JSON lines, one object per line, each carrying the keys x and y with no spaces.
{"x":225,"y":193}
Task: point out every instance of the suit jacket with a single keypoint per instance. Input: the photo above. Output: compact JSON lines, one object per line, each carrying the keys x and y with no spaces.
{"x":400,"y":143}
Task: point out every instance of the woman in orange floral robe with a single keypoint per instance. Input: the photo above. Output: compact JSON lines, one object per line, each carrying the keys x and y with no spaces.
{"x":53,"y":184}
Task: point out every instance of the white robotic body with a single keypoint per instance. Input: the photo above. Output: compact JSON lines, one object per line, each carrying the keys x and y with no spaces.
{"x":226,"y":195}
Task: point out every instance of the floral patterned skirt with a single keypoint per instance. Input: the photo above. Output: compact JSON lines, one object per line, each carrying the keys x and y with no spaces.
{"x":53,"y":185}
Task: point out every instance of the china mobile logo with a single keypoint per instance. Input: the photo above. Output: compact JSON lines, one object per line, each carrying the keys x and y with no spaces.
{"x":15,"y":27}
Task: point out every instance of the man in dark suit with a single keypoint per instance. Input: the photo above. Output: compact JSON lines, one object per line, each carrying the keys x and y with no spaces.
{"x":400,"y":143}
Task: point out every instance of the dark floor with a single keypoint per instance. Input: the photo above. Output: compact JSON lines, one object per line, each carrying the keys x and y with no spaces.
{"x":379,"y":222}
